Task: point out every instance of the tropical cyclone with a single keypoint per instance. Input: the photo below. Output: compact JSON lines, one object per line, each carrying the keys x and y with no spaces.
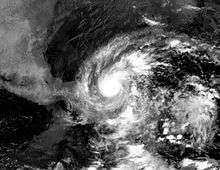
{"x":122,"y":84}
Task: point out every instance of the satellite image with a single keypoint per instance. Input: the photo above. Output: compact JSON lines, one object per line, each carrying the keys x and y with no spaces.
{"x":109,"y":85}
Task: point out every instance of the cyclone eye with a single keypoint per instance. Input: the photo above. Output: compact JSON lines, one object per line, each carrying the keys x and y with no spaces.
{"x":111,"y":84}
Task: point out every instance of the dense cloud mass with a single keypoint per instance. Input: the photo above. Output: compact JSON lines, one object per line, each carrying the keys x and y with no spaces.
{"x":120,"y":85}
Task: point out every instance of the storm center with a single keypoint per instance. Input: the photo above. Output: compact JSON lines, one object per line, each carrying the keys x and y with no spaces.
{"x":111,"y":85}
